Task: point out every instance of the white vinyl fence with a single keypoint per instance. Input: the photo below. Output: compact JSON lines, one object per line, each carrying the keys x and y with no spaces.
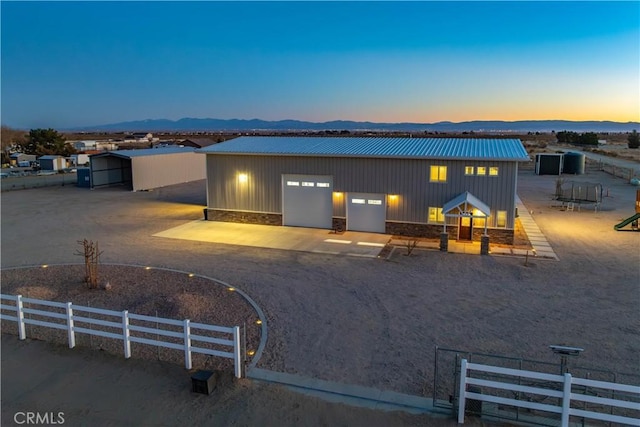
{"x":122,"y":327}
{"x":563,"y":392}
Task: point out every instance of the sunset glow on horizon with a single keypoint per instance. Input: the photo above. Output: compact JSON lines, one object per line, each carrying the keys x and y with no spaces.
{"x":89,"y":63}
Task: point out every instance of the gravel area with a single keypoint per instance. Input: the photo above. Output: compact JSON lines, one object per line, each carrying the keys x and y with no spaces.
{"x":154,"y":292}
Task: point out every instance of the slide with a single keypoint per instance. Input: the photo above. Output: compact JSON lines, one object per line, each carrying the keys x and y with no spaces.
{"x":629,"y":220}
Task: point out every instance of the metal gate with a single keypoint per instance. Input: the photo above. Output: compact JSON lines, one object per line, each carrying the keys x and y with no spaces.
{"x":446,"y":381}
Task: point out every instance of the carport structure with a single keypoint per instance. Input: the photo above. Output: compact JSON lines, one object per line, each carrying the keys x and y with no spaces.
{"x":146,"y":169}
{"x":401,"y":186}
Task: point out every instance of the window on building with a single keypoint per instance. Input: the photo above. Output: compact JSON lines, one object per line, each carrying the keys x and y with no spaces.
{"x":308,"y":184}
{"x":358,"y":201}
{"x":493,"y":171}
{"x":293,"y":183}
{"x":438,"y":174}
{"x":501,"y":219}
{"x":323,"y":184}
{"x":481,"y":170}
{"x":435,"y":215}
{"x":468,"y":170}
{"x":374,"y":202}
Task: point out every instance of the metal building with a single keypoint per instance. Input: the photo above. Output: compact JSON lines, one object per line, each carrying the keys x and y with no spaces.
{"x":146,"y":169}
{"x":548,"y":164}
{"x":403,"y":186}
{"x":52,"y":162}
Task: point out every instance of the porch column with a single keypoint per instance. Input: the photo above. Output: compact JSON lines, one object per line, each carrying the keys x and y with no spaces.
{"x":444,"y":237}
{"x":484,"y":244}
{"x":484,"y":239}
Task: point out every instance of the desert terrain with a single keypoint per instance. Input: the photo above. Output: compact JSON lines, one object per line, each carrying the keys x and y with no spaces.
{"x":369,"y":322}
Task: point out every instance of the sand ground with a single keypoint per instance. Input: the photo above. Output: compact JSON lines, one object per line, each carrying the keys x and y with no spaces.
{"x":360,"y":321}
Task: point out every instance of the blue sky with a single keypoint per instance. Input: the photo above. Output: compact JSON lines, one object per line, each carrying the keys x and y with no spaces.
{"x":89,"y":63}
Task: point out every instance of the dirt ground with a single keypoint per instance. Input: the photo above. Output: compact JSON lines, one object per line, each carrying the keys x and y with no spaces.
{"x":141,"y":393}
{"x":360,"y":321}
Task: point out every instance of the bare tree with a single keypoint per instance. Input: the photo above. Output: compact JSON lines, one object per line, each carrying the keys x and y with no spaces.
{"x":411,"y":245}
{"x":91,"y":259}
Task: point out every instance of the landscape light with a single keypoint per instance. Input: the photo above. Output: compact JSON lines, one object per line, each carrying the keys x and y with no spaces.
{"x":191,"y":274}
{"x":251,"y":352}
{"x":231,"y":289}
{"x":45,"y":265}
{"x":568,"y":351}
{"x":564,"y":352}
{"x":259,"y":322}
{"x":242,"y":178}
{"x":147,"y":268}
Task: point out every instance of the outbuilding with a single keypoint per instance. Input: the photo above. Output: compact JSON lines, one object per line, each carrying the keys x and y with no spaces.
{"x":52,"y":162}
{"x":146,"y":169}
{"x":422,"y":187}
{"x":549,"y":163}
{"x":17,"y":158}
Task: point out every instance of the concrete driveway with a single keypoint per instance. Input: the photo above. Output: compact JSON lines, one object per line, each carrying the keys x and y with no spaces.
{"x":349,"y":243}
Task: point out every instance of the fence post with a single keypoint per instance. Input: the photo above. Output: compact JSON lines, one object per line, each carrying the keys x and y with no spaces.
{"x":566,"y":400}
{"x":126,"y":334}
{"x":237,"y":352}
{"x":463,"y":389}
{"x":70,"y":331}
{"x":22,"y":332}
{"x":187,"y":344}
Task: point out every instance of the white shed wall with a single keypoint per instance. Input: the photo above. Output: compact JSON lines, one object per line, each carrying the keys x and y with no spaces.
{"x":167,"y":169}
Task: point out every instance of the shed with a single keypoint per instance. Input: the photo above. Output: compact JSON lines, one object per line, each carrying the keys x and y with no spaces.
{"x":146,"y":169}
{"x":52,"y":163}
{"x":16,"y":158}
{"x":549,"y":164}
{"x":387,"y":185}
{"x":79,"y":159}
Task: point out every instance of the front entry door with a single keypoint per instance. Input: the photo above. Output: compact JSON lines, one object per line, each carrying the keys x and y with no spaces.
{"x":465,"y":229}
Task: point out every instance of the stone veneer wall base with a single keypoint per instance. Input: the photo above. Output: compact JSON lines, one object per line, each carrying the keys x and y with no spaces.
{"x":429,"y":231}
{"x":244,"y":217}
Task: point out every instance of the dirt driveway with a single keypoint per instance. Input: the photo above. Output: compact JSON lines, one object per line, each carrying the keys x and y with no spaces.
{"x":372,"y":322}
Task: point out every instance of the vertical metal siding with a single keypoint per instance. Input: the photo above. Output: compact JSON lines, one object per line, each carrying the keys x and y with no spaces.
{"x":406,"y":178}
{"x":166,"y":169}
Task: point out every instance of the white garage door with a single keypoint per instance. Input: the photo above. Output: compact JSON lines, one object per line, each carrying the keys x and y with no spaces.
{"x":366,"y":212}
{"x":307,"y":200}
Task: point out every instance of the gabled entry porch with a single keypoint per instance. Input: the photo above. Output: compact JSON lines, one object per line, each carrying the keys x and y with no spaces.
{"x":471,"y":213}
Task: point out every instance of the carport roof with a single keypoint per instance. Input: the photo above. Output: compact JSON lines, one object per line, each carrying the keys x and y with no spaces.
{"x":425,"y":148}
{"x":127,"y":154}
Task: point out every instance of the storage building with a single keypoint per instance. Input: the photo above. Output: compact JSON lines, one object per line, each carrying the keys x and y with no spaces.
{"x":17,"y":158}
{"x":52,"y":162}
{"x":146,"y":169}
{"x":548,"y":164}
{"x":404,"y":186}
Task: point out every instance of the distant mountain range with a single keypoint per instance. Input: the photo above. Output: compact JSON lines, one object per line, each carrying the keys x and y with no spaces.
{"x":192,"y":124}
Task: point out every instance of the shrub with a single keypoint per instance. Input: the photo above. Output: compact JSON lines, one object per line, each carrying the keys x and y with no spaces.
{"x":634,"y":139}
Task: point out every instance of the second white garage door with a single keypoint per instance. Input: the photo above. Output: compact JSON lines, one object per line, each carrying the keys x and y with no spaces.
{"x":307,"y":201}
{"x":366,"y":212}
